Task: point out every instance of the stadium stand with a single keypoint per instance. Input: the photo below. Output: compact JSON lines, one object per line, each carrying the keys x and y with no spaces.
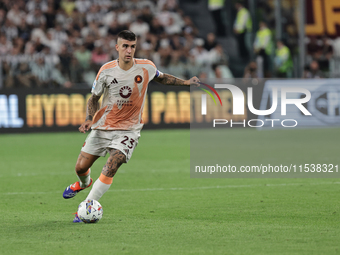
{"x":63,"y":43}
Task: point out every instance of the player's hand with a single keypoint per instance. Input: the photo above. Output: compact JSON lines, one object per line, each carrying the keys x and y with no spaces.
{"x":194,"y":81}
{"x":85,"y":126}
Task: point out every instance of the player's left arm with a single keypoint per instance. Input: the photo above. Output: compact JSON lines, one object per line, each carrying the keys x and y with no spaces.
{"x":168,"y":79}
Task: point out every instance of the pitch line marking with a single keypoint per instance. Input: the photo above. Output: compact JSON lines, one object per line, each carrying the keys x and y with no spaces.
{"x":179,"y":188}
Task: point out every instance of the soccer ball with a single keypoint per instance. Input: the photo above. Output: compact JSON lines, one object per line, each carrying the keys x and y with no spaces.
{"x":90,"y":211}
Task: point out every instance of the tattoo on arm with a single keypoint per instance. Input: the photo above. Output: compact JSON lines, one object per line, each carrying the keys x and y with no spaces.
{"x":168,"y":79}
{"x":92,"y":106}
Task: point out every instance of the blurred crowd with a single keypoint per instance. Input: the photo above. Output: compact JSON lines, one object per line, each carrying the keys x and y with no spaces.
{"x":271,"y":58}
{"x":63,"y":43}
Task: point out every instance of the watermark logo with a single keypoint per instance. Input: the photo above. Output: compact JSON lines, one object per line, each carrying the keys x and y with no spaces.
{"x":238,"y":103}
{"x":204,"y":97}
{"x":326,"y":103}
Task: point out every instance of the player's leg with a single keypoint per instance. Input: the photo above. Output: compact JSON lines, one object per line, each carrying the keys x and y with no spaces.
{"x":103,"y":183}
{"x":84,"y":162}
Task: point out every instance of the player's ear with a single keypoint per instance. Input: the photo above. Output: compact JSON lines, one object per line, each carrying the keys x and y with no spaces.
{"x":117,"y":47}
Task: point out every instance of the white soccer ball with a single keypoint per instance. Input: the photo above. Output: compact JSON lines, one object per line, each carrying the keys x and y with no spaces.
{"x":90,"y":211}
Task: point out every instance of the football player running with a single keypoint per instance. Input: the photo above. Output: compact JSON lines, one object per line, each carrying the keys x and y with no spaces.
{"x":117,"y":124}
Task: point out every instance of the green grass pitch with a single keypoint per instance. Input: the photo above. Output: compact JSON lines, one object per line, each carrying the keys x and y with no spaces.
{"x":154,"y":207}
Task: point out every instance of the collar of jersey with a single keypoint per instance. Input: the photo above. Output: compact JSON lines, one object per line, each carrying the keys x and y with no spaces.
{"x":134,"y":63}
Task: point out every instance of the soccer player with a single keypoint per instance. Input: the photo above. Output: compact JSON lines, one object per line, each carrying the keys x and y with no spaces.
{"x":116,"y":125}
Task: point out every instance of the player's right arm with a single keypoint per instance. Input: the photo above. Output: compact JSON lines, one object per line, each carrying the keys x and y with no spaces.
{"x":91,"y":109}
{"x":92,"y":103}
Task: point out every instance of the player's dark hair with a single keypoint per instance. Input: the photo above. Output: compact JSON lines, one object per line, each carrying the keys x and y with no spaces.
{"x":127,"y":35}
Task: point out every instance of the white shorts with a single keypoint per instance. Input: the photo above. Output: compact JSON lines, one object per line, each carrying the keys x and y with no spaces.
{"x":99,"y":141}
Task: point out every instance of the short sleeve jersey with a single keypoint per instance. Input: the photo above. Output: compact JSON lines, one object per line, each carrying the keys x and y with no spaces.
{"x":123,"y":93}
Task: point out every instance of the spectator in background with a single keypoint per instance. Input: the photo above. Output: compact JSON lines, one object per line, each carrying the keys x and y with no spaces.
{"x":2,"y":16}
{"x":65,"y":61}
{"x":176,"y":67}
{"x":210,"y":41}
{"x":139,"y":27}
{"x":189,"y":27}
{"x":36,"y":18}
{"x":176,"y":42}
{"x":147,"y":15}
{"x":68,"y":6}
{"x":50,"y":16}
{"x":201,"y":54}
{"x":98,"y":57}
{"x":192,"y":67}
{"x":243,"y":24}
{"x":283,"y":61}
{"x":313,"y":71}
{"x":313,"y":46}
{"x":58,"y":34}
{"x":41,"y":73}
{"x":220,"y":73}
{"x":250,"y":71}
{"x":263,"y":46}
{"x":5,"y":45}
{"x":10,"y":30}
{"x":55,"y":45}
{"x":124,"y":16}
{"x":83,"y":57}
{"x":20,"y":44}
{"x":61,"y":17}
{"x":22,"y":77}
{"x":146,"y":51}
{"x":15,"y":15}
{"x":326,"y":53}
{"x":83,"y":5}
{"x":76,"y":72}
{"x":173,"y":27}
{"x":37,"y":4}
{"x":156,"y":27}
{"x":114,"y":28}
{"x":217,"y":55}
{"x":24,"y":31}
{"x":109,"y":18}
{"x":94,"y":14}
{"x":51,"y":58}
{"x":216,"y":9}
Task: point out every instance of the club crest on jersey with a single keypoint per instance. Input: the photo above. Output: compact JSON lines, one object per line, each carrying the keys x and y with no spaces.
{"x":125,"y":92}
{"x":138,"y":79}
{"x":114,"y":81}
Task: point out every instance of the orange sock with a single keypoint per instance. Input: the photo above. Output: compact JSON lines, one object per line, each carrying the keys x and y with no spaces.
{"x":105,"y":179}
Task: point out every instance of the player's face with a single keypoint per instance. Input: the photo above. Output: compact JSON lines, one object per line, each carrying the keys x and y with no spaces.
{"x":126,"y":49}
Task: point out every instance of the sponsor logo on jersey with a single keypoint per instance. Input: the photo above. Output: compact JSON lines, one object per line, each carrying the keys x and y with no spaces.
{"x":120,"y":103}
{"x":138,"y":79}
{"x":125,"y":92}
{"x":94,"y":84}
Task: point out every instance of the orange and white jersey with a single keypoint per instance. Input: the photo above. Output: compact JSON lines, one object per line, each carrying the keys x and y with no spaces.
{"x":123,"y":94}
